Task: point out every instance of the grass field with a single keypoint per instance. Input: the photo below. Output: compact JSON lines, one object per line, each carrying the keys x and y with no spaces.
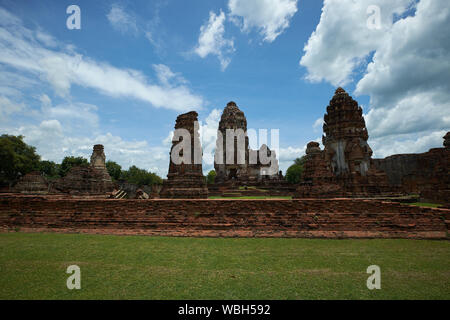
{"x":33,"y":266}
{"x":425,"y":204}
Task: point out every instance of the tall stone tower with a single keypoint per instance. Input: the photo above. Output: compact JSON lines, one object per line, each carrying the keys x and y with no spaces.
{"x":185,"y":178}
{"x":345,"y":138}
{"x":232,"y":118}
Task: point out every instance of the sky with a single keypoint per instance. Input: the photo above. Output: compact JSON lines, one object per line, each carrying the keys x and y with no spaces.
{"x":132,"y":67}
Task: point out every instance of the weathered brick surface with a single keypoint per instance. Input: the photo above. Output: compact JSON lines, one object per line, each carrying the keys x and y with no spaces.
{"x":328,"y":218}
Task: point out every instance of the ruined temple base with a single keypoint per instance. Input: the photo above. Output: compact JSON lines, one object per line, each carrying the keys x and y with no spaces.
{"x":431,"y":235}
{"x":305,"y":218}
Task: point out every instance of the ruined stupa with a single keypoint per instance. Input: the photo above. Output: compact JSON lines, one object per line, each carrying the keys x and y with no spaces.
{"x":185,"y":178}
{"x":346,"y":156}
{"x":345,"y":138}
{"x":243,"y":165}
{"x":33,"y":182}
{"x":93,"y":179}
{"x":318,"y":181}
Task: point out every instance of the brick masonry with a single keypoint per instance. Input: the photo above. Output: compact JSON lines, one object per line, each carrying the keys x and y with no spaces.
{"x":306,"y":218}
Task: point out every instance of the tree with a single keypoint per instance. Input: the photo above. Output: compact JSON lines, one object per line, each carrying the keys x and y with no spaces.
{"x":140,"y":177}
{"x":16,"y":158}
{"x":294,"y":173}
{"x":49,"y":168}
{"x":114,"y":169}
{"x":69,"y":162}
{"x":211,"y":177}
{"x":300,"y":161}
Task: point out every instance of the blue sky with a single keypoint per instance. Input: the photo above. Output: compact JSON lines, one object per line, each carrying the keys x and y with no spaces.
{"x":122,"y":79}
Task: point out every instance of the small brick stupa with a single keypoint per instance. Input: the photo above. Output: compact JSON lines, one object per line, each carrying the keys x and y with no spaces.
{"x":185,"y":180}
{"x":88,"y":180}
{"x":33,"y":182}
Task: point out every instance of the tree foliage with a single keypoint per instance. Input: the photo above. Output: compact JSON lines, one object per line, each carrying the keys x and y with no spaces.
{"x":49,"y":168}
{"x":69,"y":162}
{"x":140,"y":177}
{"x":16,"y":158}
{"x":300,"y":161}
{"x":294,"y":173}
{"x":114,"y":169}
{"x":211,"y":177}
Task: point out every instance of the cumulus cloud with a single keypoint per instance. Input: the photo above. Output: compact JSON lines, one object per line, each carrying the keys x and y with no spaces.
{"x":269,"y":17}
{"x":71,"y":129}
{"x":414,"y":143}
{"x":405,"y":66}
{"x":62,"y":69}
{"x":122,"y":20}
{"x":342,"y":39}
{"x":211,"y":40}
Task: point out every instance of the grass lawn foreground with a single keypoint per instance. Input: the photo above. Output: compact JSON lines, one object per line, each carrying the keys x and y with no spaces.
{"x":33,"y":266}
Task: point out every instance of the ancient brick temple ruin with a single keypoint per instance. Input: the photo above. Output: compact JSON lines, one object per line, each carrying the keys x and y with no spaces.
{"x":91,"y":180}
{"x":345,"y":166}
{"x":244,"y":165}
{"x":185,"y":178}
{"x":33,"y":182}
{"x":427,"y":174}
{"x":318,"y":180}
{"x":88,"y":180}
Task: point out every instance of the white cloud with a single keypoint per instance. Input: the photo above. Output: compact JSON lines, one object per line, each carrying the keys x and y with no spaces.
{"x":212,"y":41}
{"x":73,"y":129}
{"x":408,"y":74}
{"x":208,"y":136}
{"x":122,"y":20}
{"x":342,"y":40}
{"x":318,"y":124}
{"x":64,"y":68}
{"x":167,"y":76}
{"x":8,"y":107}
{"x":415,"y":143}
{"x":412,"y":114}
{"x":270,"y":17}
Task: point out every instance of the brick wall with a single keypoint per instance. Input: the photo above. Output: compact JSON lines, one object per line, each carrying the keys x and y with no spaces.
{"x":327,"y":218}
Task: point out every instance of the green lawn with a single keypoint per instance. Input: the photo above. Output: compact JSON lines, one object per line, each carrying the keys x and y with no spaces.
{"x":425,"y":204}
{"x":32,"y":266}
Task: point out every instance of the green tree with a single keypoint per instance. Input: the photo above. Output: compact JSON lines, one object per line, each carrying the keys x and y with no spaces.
{"x":300,"y":161}
{"x":69,"y":162}
{"x":294,"y":173}
{"x":140,"y":176}
{"x":49,"y":168}
{"x":16,"y":158}
{"x":211,"y":177}
{"x":114,"y":169}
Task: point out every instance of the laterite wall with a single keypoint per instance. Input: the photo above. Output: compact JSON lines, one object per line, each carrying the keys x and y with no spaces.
{"x":312,"y":218}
